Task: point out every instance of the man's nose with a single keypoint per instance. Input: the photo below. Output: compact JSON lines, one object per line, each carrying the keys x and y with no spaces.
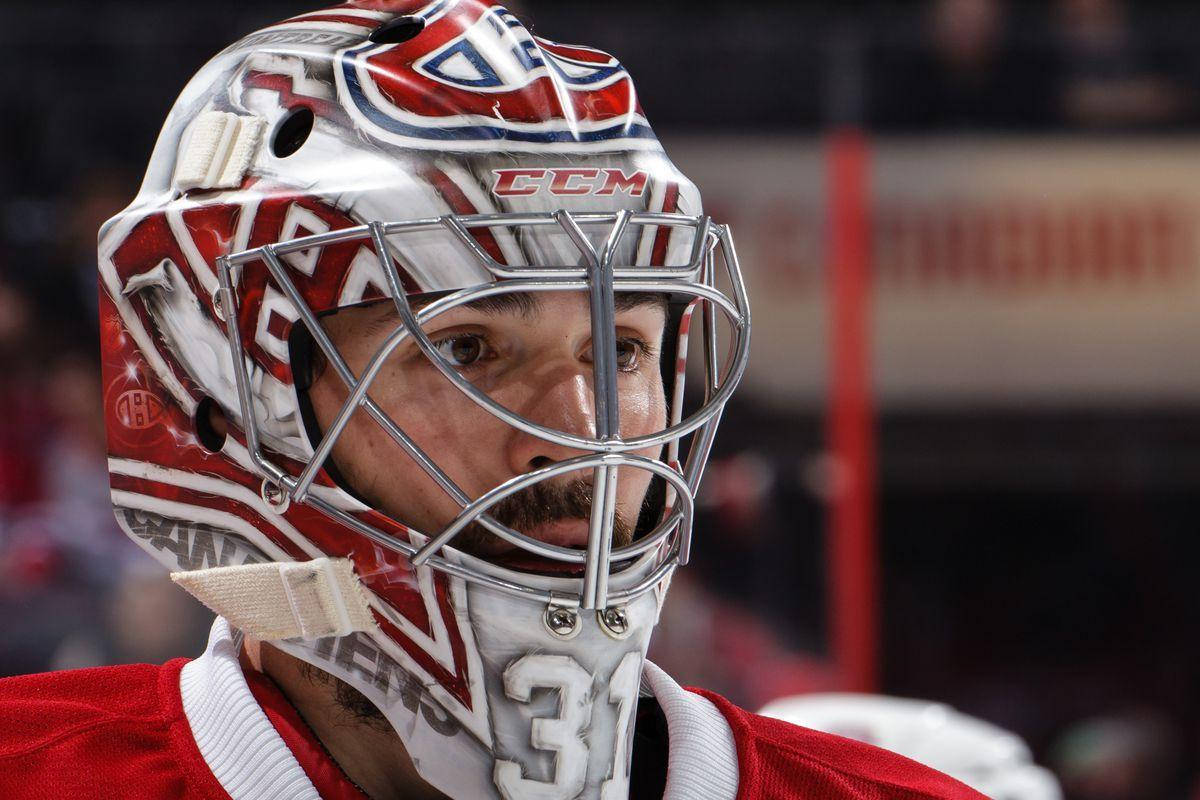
{"x":561,"y":398}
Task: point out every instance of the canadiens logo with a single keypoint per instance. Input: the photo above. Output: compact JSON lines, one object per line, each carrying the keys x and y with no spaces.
{"x":138,"y":409}
{"x":568,"y":181}
{"x":507,"y":85}
{"x":470,"y":61}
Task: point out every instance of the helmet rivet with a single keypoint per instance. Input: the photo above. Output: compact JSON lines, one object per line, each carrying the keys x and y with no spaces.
{"x":274,"y":496}
{"x":614,"y":621}
{"x":562,"y":621}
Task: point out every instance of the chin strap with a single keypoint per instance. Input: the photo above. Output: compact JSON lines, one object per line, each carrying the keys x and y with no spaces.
{"x":284,"y":600}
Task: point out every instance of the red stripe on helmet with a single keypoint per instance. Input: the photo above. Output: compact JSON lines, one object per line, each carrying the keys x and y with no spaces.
{"x":459,"y":203}
{"x":658,"y":256}
{"x":289,"y":98}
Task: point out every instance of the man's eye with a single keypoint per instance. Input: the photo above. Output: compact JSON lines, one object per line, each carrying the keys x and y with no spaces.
{"x":629,"y":353}
{"x":462,"y":350}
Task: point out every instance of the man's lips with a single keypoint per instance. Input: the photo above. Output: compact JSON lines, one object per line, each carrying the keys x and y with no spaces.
{"x":570,"y":533}
{"x":561,"y":532}
{"x":523,"y":561}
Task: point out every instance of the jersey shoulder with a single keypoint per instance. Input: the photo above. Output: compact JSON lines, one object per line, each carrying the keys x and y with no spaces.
{"x":99,"y":732}
{"x":40,"y":708}
{"x":777,"y":759}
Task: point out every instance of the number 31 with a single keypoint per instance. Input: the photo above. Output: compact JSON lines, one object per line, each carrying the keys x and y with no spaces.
{"x":564,"y":734}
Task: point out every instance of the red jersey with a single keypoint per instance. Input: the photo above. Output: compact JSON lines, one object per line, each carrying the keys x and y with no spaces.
{"x":204,"y":730}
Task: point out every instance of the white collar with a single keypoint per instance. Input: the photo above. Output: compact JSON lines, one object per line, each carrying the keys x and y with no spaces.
{"x":252,"y":762}
{"x":246,"y":754}
{"x":702,"y":763}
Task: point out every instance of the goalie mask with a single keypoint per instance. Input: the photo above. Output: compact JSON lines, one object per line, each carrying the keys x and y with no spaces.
{"x":395,"y":338}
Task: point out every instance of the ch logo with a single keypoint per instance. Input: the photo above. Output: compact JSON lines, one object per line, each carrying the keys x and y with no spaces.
{"x":497,"y":54}
{"x":139,"y":409}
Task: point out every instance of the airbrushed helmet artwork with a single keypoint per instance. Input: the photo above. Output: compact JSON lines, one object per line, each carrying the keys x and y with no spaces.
{"x":420,"y":158}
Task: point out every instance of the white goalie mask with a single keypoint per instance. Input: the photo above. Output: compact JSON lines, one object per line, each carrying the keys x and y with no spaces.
{"x":410,"y":162}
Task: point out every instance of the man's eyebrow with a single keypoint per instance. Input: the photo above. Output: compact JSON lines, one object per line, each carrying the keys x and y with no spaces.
{"x":626,"y":301}
{"x":523,"y":304}
{"x":526,"y":304}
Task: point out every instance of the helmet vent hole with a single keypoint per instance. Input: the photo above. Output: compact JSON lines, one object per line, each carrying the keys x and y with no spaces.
{"x":210,"y":425}
{"x":292,"y":132}
{"x":398,"y":30}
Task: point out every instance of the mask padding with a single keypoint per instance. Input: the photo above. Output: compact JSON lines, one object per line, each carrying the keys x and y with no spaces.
{"x":302,"y":352}
{"x":656,"y":494}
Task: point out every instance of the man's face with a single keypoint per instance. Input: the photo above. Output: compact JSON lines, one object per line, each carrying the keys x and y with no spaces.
{"x":531,"y":353}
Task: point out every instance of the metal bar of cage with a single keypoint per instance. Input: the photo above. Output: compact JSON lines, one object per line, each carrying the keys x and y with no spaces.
{"x":609,"y":451}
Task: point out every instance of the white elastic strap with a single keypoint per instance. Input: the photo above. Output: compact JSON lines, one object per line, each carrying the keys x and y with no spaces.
{"x":216,"y":150}
{"x":284,"y":600}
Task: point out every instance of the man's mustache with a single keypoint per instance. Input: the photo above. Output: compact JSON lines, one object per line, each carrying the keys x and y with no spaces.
{"x":539,"y":504}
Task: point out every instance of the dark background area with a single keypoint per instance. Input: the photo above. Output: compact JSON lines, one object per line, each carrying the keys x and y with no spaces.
{"x":1039,"y":565}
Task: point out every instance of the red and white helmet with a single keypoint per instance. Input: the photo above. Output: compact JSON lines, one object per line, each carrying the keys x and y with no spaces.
{"x":380,"y":151}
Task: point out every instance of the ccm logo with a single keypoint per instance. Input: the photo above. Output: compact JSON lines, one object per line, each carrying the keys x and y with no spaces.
{"x":568,"y":181}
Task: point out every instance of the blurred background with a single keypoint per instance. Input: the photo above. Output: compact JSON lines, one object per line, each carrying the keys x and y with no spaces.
{"x":965,"y":454}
